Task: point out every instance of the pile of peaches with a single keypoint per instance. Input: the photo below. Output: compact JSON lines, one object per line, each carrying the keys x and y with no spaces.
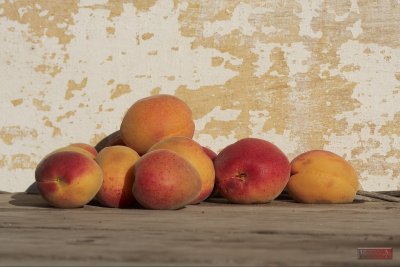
{"x":154,"y":163}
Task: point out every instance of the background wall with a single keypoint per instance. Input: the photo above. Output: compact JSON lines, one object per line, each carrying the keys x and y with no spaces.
{"x":301,"y":74}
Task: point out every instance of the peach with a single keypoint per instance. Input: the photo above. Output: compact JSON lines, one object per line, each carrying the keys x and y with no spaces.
{"x":165,"y":180}
{"x":154,"y":118}
{"x":319,"y":176}
{"x":251,"y":171}
{"x":194,"y":153}
{"x":68,"y":179}
{"x":117,"y":163}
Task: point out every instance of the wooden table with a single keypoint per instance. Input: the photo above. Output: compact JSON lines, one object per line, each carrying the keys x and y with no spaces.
{"x":211,"y":233}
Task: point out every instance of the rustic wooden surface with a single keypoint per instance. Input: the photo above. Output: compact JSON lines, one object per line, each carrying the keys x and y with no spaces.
{"x":212,"y":233}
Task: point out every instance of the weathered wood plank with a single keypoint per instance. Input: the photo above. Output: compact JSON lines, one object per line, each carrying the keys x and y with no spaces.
{"x":212,"y":233}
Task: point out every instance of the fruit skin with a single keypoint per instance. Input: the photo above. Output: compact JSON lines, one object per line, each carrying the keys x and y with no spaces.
{"x":251,"y":171}
{"x":75,"y":148}
{"x":68,"y":179}
{"x":319,"y":176}
{"x":165,"y":180}
{"x":212,"y":155}
{"x":117,"y":163}
{"x":194,"y":153}
{"x":86,"y":147}
{"x":154,"y":118}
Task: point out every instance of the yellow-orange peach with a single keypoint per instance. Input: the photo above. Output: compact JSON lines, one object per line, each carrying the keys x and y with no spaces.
{"x":117,"y":163}
{"x":194,"y":153}
{"x":320,"y":176}
{"x":154,"y":118}
{"x":165,"y":180}
{"x":68,"y":179}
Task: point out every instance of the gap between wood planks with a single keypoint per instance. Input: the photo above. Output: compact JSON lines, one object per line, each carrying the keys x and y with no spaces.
{"x":391,"y":196}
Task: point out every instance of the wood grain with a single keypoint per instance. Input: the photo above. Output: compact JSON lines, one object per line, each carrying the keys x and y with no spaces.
{"x":212,"y":233}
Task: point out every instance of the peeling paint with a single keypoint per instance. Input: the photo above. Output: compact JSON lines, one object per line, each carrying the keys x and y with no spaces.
{"x":143,"y":5}
{"x":3,"y":162}
{"x":66,"y":115}
{"x":43,"y":18}
{"x":216,"y":61}
{"x":22,"y":161}
{"x":17,"y":102}
{"x":120,"y":89}
{"x":301,"y":74}
{"x":9,"y":133}
{"x":110,"y":30}
{"x":56,"y":130}
{"x":74,"y":86}
{"x":51,"y":70}
{"x":147,"y":36}
{"x":39,"y":104}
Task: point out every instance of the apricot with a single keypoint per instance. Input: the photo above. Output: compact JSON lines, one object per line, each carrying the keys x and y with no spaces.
{"x":68,"y":179}
{"x":210,"y":153}
{"x":165,"y":180}
{"x":117,"y":163}
{"x":195,"y":154}
{"x":77,"y":148}
{"x":319,"y":176}
{"x":86,"y":147}
{"x":251,"y":171}
{"x":154,"y":118}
